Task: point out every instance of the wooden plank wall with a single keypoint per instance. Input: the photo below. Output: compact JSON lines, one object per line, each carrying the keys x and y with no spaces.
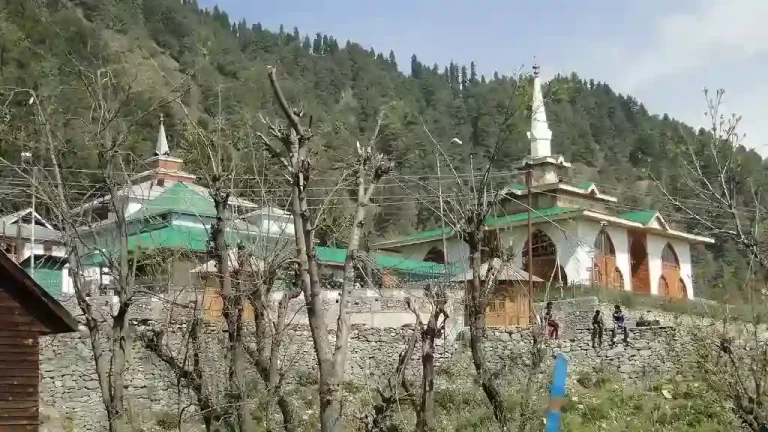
{"x":19,"y":367}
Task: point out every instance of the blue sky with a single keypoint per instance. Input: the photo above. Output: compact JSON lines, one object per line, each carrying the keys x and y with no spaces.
{"x":662,"y":52}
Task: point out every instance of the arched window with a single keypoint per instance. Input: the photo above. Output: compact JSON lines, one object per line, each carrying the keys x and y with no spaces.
{"x":603,"y":244}
{"x":543,"y":246}
{"x":544,"y":253}
{"x":683,"y":288}
{"x":669,"y":257}
{"x":435,"y":255}
{"x":491,"y":247}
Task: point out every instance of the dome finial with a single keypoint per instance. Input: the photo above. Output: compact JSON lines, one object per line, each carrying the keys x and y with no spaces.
{"x":536,"y":67}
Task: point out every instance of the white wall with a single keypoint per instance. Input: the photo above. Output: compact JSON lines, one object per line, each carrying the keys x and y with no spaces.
{"x":39,"y":249}
{"x":67,"y":287}
{"x":682,"y":249}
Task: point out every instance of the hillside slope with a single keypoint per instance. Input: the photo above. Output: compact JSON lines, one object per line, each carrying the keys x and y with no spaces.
{"x":163,"y":44}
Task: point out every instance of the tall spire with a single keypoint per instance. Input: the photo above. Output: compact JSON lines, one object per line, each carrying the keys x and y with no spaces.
{"x":540,"y":135}
{"x":161,"y":147}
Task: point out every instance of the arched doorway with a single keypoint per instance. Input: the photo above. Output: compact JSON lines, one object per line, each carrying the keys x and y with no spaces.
{"x":604,"y":261}
{"x":544,"y":253}
{"x":618,"y":279}
{"x":663,"y":286}
{"x":670,"y":274}
{"x":638,"y":257}
{"x":435,"y":255}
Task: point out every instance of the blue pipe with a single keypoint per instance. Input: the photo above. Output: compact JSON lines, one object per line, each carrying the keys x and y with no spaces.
{"x":557,"y":393}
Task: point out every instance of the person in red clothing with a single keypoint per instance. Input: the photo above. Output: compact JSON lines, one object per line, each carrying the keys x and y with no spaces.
{"x":552,"y":325}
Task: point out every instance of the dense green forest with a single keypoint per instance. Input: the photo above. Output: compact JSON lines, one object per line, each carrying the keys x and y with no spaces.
{"x":219,"y":69}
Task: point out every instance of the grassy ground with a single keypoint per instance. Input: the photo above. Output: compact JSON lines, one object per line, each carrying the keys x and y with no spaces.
{"x":595,"y":403}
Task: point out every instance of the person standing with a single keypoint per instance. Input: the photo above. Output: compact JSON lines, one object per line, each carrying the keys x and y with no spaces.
{"x":598,"y":327}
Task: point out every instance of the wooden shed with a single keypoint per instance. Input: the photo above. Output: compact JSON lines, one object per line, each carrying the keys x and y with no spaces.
{"x":509,"y":305}
{"x":27,"y":312}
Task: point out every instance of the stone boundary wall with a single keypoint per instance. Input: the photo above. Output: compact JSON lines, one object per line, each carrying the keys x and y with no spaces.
{"x":69,"y":383}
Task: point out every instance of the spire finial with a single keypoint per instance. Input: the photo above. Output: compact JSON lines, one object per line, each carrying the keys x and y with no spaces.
{"x":540,"y":134}
{"x":161,"y":147}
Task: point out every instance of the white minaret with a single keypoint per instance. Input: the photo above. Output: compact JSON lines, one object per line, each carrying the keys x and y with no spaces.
{"x":161,"y":147}
{"x":540,"y":135}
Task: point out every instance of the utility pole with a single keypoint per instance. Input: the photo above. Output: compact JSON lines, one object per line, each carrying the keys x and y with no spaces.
{"x":442,"y":218}
{"x":528,"y":181}
{"x":27,"y":156}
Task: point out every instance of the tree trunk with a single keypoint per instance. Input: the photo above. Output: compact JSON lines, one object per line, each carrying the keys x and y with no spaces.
{"x":426,"y":418}
{"x":388,"y":397}
{"x":232,"y":311}
{"x":478,"y":303}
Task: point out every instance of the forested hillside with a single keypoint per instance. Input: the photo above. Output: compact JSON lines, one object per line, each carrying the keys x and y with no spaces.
{"x":219,"y":67}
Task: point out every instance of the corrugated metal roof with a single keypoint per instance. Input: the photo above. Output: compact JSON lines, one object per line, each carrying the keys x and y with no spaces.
{"x":179,"y":198}
{"x":337,"y":256}
{"x":507,"y":272}
{"x":41,"y":233}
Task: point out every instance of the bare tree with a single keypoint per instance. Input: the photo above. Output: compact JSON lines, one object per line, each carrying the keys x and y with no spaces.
{"x":433,"y":329}
{"x":258,"y":279}
{"x":187,"y":366}
{"x":388,"y":395}
{"x":105,"y":125}
{"x":294,"y":154}
{"x":728,"y":204}
{"x":711,"y":171}
{"x":467,"y":208}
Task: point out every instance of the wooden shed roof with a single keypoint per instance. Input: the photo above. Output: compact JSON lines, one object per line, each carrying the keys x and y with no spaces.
{"x":33,"y":298}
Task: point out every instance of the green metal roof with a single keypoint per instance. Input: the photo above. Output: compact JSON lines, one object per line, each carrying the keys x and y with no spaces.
{"x":585,"y":185}
{"x":536,"y":216}
{"x":337,"y":256}
{"x":186,"y":238}
{"x":494,"y":221}
{"x":448,"y":232}
{"x":643,"y":216}
{"x":179,"y":198}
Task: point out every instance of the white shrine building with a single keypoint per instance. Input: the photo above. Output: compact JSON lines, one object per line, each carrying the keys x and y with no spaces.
{"x":579,"y":236}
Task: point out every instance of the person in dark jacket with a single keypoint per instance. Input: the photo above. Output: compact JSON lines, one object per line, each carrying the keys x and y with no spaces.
{"x":598,"y":327}
{"x":619,"y":324}
{"x":552,"y":325}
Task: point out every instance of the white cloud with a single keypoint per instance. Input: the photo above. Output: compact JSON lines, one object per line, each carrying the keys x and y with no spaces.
{"x":716,"y":31}
{"x":712,"y":43}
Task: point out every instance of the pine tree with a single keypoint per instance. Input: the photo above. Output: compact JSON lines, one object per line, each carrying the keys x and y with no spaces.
{"x":464,"y":78}
{"x":333,"y":45}
{"x":296,"y":34}
{"x":392,"y":59}
{"x":317,"y":45}
{"x":306,"y":46}
{"x":416,"y":67}
{"x":472,"y":73}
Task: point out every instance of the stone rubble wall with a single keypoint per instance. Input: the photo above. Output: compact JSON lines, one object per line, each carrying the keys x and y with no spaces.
{"x":69,"y":382}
